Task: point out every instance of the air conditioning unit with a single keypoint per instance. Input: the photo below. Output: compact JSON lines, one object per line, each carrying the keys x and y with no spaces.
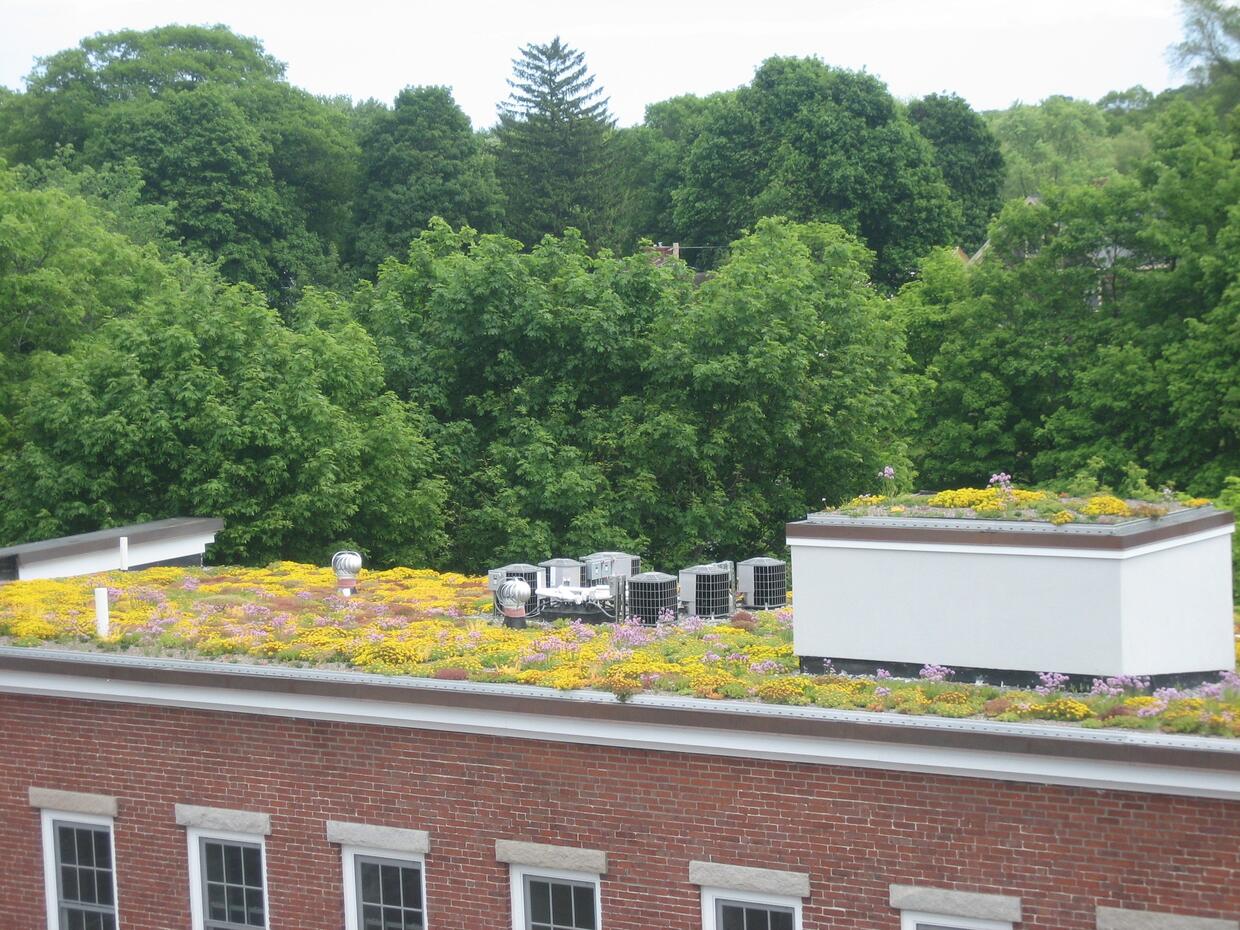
{"x":763,"y":581}
{"x":562,"y":571}
{"x":651,"y":594}
{"x":532,"y":575}
{"x":706,"y":590}
{"x":600,"y":566}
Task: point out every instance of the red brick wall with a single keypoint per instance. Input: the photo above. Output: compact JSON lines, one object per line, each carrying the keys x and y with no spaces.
{"x":855,"y":831}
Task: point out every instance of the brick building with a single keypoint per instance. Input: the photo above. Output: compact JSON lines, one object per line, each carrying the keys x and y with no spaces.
{"x":159,"y":795}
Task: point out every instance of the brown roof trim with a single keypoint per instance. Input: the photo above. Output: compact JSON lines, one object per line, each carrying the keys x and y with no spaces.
{"x":970,"y":534}
{"x":1203,"y":753}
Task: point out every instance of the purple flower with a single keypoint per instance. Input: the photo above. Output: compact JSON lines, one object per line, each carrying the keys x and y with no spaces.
{"x":1002,"y":480}
{"x":936,"y":672}
{"x":887,"y":473}
{"x":881,"y":691}
{"x":1119,"y":684}
{"x":882,"y":673}
{"x":1051,"y":682}
{"x":767,"y":665}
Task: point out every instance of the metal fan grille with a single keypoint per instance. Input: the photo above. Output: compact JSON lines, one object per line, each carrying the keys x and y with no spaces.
{"x":770,"y":588}
{"x":713,"y":595}
{"x":647,"y":599}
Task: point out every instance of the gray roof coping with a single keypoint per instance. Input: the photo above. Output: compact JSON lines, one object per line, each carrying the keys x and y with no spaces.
{"x":136,"y":532}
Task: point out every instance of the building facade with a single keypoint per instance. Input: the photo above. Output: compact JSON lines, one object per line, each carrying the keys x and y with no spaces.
{"x":161,"y":795}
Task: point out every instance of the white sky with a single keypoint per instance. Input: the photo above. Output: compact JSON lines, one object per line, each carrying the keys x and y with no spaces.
{"x":991,"y":52}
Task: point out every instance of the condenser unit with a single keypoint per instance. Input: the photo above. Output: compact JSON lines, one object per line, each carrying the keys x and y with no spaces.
{"x":651,"y":594}
{"x":706,"y":590}
{"x":530,"y":574}
{"x":763,"y":581}
{"x":562,"y":571}
{"x":602,"y":565}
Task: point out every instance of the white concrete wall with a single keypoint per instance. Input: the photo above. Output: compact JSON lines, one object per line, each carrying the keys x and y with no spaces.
{"x":107,"y":558}
{"x":1177,"y":609}
{"x":1163,"y":609}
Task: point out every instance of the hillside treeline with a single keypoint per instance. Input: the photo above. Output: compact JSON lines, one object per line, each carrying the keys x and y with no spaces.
{"x":333,"y":322}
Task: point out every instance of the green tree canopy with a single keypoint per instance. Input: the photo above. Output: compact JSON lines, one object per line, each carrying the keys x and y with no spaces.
{"x":969,"y":157}
{"x":811,"y":142}
{"x":420,"y":159}
{"x":552,"y":137}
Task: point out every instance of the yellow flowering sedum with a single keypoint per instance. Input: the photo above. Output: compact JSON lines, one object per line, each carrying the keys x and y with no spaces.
{"x":423,"y":623}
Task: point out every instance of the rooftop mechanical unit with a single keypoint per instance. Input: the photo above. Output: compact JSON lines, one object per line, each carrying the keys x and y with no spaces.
{"x":602,"y":565}
{"x":530,"y":574}
{"x":763,"y":582}
{"x":651,"y":595}
{"x":706,"y":590}
{"x":562,"y":571}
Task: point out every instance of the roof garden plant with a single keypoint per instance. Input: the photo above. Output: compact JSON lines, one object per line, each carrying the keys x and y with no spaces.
{"x":421,"y":623}
{"x":1001,"y":499}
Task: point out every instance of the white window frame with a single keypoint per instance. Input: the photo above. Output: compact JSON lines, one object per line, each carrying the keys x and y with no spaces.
{"x":910,"y":919}
{"x":516,"y":880}
{"x":194,"y":837}
{"x":51,"y":869}
{"x":712,"y":895}
{"x":348,"y":857}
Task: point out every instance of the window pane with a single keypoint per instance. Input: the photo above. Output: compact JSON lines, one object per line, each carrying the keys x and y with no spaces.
{"x":540,"y":902}
{"x":69,"y":883}
{"x":413,"y":920}
{"x":109,"y":922}
{"x":103,"y":849}
{"x":392,"y":919}
{"x":733,"y":917}
{"x":103,"y":887}
{"x":253,"y":866}
{"x":85,"y":847}
{"x":67,"y":852}
{"x":236,"y":904}
{"x":74,"y":920}
{"x":254,"y":906}
{"x":215,"y":862}
{"x":562,"y":904}
{"x":216,"y":905}
{"x":583,"y":907}
{"x":781,"y":920}
{"x":411,"y":881}
{"x":370,"y":883}
{"x":233,"y":873}
{"x":755,"y":919}
{"x":372,"y":917}
{"x":389,"y":877}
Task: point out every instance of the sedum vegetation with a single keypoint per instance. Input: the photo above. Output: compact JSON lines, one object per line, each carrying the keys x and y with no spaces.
{"x":429,"y":625}
{"x":338,"y":322}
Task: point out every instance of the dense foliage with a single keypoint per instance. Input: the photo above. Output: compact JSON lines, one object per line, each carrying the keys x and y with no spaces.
{"x":334,"y":322}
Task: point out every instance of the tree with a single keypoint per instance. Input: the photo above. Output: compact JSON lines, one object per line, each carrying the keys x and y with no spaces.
{"x":811,"y":142}
{"x":552,"y":144}
{"x":420,"y":159}
{"x":1059,"y":141}
{"x":969,"y":157}
{"x":201,"y":401}
{"x":207,"y":118}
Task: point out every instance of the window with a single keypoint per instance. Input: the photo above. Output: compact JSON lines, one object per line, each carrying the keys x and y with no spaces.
{"x":741,"y":915}
{"x":79,"y":871}
{"x":382,"y":892}
{"x":228,"y":888}
{"x":555,"y":904}
{"x":914,"y":920}
{"x":549,"y":899}
{"x":730,"y":909}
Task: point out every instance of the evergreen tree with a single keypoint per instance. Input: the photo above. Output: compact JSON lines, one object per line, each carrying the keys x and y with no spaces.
{"x":552,"y":137}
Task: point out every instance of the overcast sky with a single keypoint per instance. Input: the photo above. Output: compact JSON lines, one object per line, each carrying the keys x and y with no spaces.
{"x":991,"y":52}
